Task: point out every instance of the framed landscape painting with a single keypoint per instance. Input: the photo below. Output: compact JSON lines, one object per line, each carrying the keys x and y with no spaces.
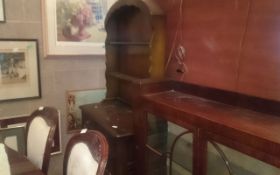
{"x":19,"y":69}
{"x":75,"y":27}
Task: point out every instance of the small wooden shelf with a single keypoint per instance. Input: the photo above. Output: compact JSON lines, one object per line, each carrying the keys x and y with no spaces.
{"x":129,"y":43}
{"x":132,"y":79}
{"x":112,"y":115}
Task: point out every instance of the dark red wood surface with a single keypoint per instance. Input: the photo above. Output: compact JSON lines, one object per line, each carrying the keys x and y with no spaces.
{"x":253,"y":133}
{"x":113,"y":116}
{"x":245,"y":123}
{"x":231,"y":44}
{"x":259,"y":67}
{"x":20,"y":165}
{"x":115,"y":120}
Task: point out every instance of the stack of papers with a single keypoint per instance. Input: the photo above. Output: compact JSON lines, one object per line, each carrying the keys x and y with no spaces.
{"x":4,"y":162}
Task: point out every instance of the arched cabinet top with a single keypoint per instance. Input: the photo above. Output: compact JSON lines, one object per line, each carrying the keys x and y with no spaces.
{"x":148,"y":7}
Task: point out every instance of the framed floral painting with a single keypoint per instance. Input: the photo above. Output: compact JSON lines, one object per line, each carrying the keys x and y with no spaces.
{"x":75,"y":27}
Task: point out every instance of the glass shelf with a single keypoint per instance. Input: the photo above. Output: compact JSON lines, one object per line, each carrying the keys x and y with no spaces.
{"x":240,"y":164}
{"x":163,"y":137}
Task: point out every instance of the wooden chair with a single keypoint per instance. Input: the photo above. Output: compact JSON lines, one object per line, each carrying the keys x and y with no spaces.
{"x":40,"y":133}
{"x":86,"y":153}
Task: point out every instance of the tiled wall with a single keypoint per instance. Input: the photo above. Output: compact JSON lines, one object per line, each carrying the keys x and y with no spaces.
{"x":23,"y":20}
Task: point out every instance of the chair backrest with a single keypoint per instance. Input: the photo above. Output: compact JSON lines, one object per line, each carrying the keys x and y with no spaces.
{"x":40,"y":133}
{"x":86,"y":153}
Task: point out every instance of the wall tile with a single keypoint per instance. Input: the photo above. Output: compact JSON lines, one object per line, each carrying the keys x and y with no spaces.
{"x":21,"y":30}
{"x":32,"y":10}
{"x":80,"y":79}
{"x":14,"y":10}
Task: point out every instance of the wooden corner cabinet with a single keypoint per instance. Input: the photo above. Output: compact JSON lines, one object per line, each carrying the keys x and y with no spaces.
{"x":135,"y":46}
{"x":187,"y":129}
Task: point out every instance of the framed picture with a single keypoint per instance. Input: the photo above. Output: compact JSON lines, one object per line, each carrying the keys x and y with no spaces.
{"x":19,"y":69}
{"x":2,"y":11}
{"x":75,"y":27}
{"x":76,"y":98}
{"x":14,"y":137}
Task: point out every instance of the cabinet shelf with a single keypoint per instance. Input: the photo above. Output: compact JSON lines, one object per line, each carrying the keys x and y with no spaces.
{"x":131,"y":79}
{"x":129,"y":43}
{"x":109,"y":113}
{"x":160,"y":146}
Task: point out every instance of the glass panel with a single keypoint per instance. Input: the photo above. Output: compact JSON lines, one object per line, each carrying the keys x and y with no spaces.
{"x":162,"y":135}
{"x":240,"y":163}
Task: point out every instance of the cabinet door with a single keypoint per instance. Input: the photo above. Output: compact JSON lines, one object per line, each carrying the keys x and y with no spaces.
{"x":223,"y":160}
{"x":169,"y":148}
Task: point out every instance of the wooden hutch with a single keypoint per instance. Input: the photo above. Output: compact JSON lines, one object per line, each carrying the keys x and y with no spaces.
{"x":161,"y":127}
{"x":135,"y":47}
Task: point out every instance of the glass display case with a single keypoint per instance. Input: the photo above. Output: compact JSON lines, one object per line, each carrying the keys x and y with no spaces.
{"x":223,"y":160}
{"x":169,"y":148}
{"x":183,"y":131}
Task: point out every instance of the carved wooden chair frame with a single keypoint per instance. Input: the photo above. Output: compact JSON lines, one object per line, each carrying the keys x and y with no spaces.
{"x":97,"y":144}
{"x":50,"y":115}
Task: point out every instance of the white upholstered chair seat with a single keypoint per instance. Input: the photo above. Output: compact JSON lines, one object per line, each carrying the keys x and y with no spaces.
{"x":4,"y":162}
{"x":80,"y":161}
{"x":36,"y":140}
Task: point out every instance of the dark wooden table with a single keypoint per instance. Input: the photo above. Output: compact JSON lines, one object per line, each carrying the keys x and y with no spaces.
{"x":115,"y":120}
{"x":20,"y":165}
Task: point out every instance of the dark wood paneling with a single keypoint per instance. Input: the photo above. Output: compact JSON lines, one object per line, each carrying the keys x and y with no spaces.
{"x":231,"y":44}
{"x":260,"y":64}
{"x":212,"y":34}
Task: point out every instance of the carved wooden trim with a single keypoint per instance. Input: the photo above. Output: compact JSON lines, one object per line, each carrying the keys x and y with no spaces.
{"x":50,"y":115}
{"x":97,"y":144}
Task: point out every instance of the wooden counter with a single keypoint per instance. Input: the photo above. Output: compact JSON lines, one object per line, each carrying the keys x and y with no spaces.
{"x":247,"y":124}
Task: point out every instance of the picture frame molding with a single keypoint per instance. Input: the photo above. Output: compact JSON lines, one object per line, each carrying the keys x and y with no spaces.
{"x":39,"y":95}
{"x":52,"y":47}
{"x":4,"y":12}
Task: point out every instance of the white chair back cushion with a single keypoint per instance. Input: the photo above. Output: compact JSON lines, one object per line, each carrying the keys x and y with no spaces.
{"x":80,"y":161}
{"x":4,"y":162}
{"x":36,"y":140}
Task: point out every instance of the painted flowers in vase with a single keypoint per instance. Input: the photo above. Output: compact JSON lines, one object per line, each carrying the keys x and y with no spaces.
{"x":73,"y":17}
